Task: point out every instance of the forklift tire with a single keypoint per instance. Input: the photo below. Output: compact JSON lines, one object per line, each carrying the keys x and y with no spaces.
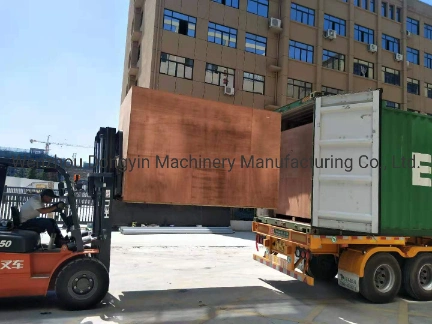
{"x":382,"y":278}
{"x":82,"y":284}
{"x":322,"y":267}
{"x":418,"y":277}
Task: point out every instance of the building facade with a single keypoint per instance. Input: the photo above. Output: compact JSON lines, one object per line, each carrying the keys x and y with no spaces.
{"x":268,"y":53}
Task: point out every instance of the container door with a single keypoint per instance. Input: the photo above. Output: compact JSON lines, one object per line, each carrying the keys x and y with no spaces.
{"x":346,"y":156}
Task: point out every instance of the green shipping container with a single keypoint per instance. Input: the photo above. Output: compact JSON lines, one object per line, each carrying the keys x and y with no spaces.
{"x":406,"y":187}
{"x":378,"y":177}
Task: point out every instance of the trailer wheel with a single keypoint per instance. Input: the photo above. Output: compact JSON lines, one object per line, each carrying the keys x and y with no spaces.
{"x":382,"y":278}
{"x":418,"y":277}
{"x":323,"y":267}
{"x":81,"y":284}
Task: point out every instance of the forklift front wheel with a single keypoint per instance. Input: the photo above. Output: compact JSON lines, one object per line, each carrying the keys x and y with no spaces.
{"x":82,"y":284}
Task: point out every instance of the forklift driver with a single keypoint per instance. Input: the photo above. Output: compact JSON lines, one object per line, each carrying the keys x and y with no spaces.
{"x":33,"y":207}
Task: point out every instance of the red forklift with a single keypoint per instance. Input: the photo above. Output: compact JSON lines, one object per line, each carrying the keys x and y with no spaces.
{"x":78,"y":272}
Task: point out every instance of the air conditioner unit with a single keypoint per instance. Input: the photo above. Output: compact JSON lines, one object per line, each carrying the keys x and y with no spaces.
{"x":372,"y":48}
{"x":229,"y":91}
{"x":275,"y":23}
{"x":408,"y":33}
{"x":398,"y":57}
{"x":330,"y":34}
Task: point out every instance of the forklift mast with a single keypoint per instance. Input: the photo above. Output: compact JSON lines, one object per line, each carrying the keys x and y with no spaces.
{"x":104,"y":184}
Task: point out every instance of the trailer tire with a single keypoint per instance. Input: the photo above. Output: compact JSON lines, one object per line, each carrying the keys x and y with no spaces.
{"x":418,"y":277}
{"x":81,"y":284}
{"x":382,"y":278}
{"x":323,"y":267}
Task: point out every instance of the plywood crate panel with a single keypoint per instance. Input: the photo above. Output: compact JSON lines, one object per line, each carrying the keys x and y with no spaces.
{"x":295,"y":187}
{"x":157,"y":123}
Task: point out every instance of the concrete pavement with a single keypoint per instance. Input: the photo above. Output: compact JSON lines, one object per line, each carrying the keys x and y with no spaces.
{"x":210,"y":279}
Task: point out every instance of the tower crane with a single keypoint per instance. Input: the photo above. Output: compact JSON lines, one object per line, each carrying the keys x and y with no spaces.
{"x":48,"y":143}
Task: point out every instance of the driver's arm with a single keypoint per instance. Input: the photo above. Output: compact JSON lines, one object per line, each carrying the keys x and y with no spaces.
{"x":47,"y":210}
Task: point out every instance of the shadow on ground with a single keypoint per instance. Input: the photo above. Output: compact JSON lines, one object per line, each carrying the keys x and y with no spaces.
{"x":293,"y":303}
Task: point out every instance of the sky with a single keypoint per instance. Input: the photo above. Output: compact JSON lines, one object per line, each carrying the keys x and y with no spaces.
{"x":61,"y":69}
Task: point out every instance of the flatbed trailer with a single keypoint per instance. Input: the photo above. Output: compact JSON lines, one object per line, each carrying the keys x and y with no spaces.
{"x":377,"y":267}
{"x":357,"y":218}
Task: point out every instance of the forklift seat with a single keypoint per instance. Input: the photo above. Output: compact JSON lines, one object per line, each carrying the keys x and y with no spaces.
{"x":17,"y":222}
{"x":18,"y":240}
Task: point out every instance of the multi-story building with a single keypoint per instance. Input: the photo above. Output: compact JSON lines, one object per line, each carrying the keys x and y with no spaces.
{"x":267,"y":53}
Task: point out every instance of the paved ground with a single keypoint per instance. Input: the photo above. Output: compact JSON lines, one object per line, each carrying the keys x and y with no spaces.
{"x":210,"y":279}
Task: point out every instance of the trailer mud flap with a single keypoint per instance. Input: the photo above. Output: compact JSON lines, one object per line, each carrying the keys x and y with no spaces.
{"x":349,"y":280}
{"x":283,"y":266}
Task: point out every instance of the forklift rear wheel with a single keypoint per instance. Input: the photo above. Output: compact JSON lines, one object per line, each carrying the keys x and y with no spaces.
{"x":323,"y":267}
{"x":382,"y":278}
{"x":82,"y":283}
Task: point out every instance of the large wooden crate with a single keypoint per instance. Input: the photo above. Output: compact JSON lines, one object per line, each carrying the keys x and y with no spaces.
{"x":157,"y":124}
{"x":295,"y":187}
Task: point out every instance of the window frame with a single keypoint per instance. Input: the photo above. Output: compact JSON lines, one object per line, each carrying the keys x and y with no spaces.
{"x":214,"y":70}
{"x":307,"y":86}
{"x":259,"y":3}
{"x":191,"y":20}
{"x":369,"y":66}
{"x":302,"y":48}
{"x":248,"y":36}
{"x":252,"y":77}
{"x":415,"y":53}
{"x":386,"y":71}
{"x":223,"y":30}
{"x":338,"y":64}
{"x":389,"y":43}
{"x":363,"y":32}
{"x":335,"y":23}
{"x":228,"y":5}
{"x":176,"y":64}
{"x":414,"y":84}
{"x":303,"y":11}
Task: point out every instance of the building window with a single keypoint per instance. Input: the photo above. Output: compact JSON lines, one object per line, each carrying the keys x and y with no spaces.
{"x":300,"y":51}
{"x":392,"y":12}
{"x":391,"y":104}
{"x":302,"y":14}
{"x":384,"y":9}
{"x":176,"y":66}
{"x":413,"y":26}
{"x":363,"y":68}
{"x":179,"y":23}
{"x":222,"y":35}
{"x":332,"y":60}
{"x":364,"y":35}
{"x":413,"y":86}
{"x":398,"y":14}
{"x":428,"y":90}
{"x":258,"y":7}
{"x":372,"y":5}
{"x":229,"y":3}
{"x":390,"y":43}
{"x":298,"y":89}
{"x":256,"y":44}
{"x":428,"y":60}
{"x":219,"y":75}
{"x":364,"y":4}
{"x":253,"y":83}
{"x":331,"y":90}
{"x":391,"y":76}
{"x":428,"y":31}
{"x":413,"y":55}
{"x":331,"y":22}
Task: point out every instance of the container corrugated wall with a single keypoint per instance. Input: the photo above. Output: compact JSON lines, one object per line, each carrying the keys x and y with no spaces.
{"x":406,"y":209}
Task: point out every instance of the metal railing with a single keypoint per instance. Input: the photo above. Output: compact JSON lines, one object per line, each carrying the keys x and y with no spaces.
{"x":17,"y":196}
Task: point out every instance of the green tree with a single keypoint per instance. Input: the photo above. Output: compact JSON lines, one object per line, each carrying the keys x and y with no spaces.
{"x":32,"y":174}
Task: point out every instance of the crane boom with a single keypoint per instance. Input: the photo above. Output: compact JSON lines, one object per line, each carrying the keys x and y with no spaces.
{"x":48,"y":143}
